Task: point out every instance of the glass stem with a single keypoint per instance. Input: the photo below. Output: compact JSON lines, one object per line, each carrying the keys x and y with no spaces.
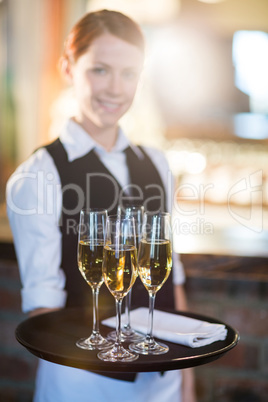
{"x":118,"y":306}
{"x":127,"y":310}
{"x":149,"y":336}
{"x":95,"y":297}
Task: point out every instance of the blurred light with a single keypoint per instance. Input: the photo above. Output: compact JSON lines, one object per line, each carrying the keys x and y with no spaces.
{"x":189,"y":162}
{"x":250,"y":58}
{"x":185,"y":67}
{"x":64,"y":107}
{"x":176,"y":161}
{"x":211,"y":1}
{"x":143,"y":11}
{"x":195,"y":163}
{"x":251,"y":126}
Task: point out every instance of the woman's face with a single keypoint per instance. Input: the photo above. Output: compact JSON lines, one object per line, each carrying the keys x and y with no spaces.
{"x":105,"y":79}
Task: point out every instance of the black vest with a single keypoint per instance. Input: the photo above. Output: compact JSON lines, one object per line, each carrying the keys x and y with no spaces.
{"x":86,"y":182}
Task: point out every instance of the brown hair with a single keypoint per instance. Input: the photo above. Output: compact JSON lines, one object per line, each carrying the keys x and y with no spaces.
{"x":93,"y":25}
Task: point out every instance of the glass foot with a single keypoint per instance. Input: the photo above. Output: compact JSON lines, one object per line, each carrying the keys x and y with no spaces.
{"x":149,"y":348}
{"x":117,"y":354}
{"x":126,"y":335}
{"x":94,"y":342}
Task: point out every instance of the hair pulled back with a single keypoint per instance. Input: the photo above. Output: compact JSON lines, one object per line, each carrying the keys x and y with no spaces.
{"x":93,"y":25}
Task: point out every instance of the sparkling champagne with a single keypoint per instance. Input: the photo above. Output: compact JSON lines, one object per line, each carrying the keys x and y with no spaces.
{"x":119,"y":269}
{"x":155,"y":262}
{"x":90,"y":256}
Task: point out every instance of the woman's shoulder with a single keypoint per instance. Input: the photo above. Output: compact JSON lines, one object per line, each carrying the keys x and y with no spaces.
{"x":39,"y":160}
{"x":37,"y":168}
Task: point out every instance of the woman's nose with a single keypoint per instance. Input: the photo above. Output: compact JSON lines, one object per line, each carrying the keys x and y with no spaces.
{"x":115,"y":85}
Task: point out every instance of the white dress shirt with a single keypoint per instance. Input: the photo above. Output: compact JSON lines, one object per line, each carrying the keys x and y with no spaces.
{"x":34,"y":201}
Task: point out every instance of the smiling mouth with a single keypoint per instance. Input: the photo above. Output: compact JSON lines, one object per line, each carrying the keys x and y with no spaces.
{"x":110,"y":106}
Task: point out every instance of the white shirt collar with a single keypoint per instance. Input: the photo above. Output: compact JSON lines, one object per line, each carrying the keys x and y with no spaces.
{"x":77,"y":142}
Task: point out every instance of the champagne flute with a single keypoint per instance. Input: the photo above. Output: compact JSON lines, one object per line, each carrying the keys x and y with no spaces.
{"x":90,"y":255}
{"x":136,"y":211}
{"x":155,"y":262}
{"x":120,"y":272}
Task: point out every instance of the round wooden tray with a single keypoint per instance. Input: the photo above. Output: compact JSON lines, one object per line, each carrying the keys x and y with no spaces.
{"x":52,"y":337}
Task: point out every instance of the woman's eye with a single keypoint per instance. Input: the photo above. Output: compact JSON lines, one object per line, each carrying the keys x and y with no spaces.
{"x":130,"y":75}
{"x":99,"y":70}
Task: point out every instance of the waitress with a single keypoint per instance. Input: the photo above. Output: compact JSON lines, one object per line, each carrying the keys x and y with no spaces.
{"x":91,"y":164}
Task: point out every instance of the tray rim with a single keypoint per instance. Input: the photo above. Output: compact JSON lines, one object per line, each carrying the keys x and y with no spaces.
{"x":144,"y":363}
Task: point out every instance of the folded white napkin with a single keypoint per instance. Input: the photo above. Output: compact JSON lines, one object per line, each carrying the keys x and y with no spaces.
{"x":175,"y":328}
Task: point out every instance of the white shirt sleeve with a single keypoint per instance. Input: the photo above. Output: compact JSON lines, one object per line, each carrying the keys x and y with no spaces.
{"x":34,"y":199}
{"x":161,"y":164}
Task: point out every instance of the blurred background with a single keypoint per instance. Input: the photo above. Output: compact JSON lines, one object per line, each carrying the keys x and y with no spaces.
{"x":203,"y":99}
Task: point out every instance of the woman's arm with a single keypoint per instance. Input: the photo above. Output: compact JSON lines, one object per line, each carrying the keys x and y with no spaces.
{"x":33,"y":206}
